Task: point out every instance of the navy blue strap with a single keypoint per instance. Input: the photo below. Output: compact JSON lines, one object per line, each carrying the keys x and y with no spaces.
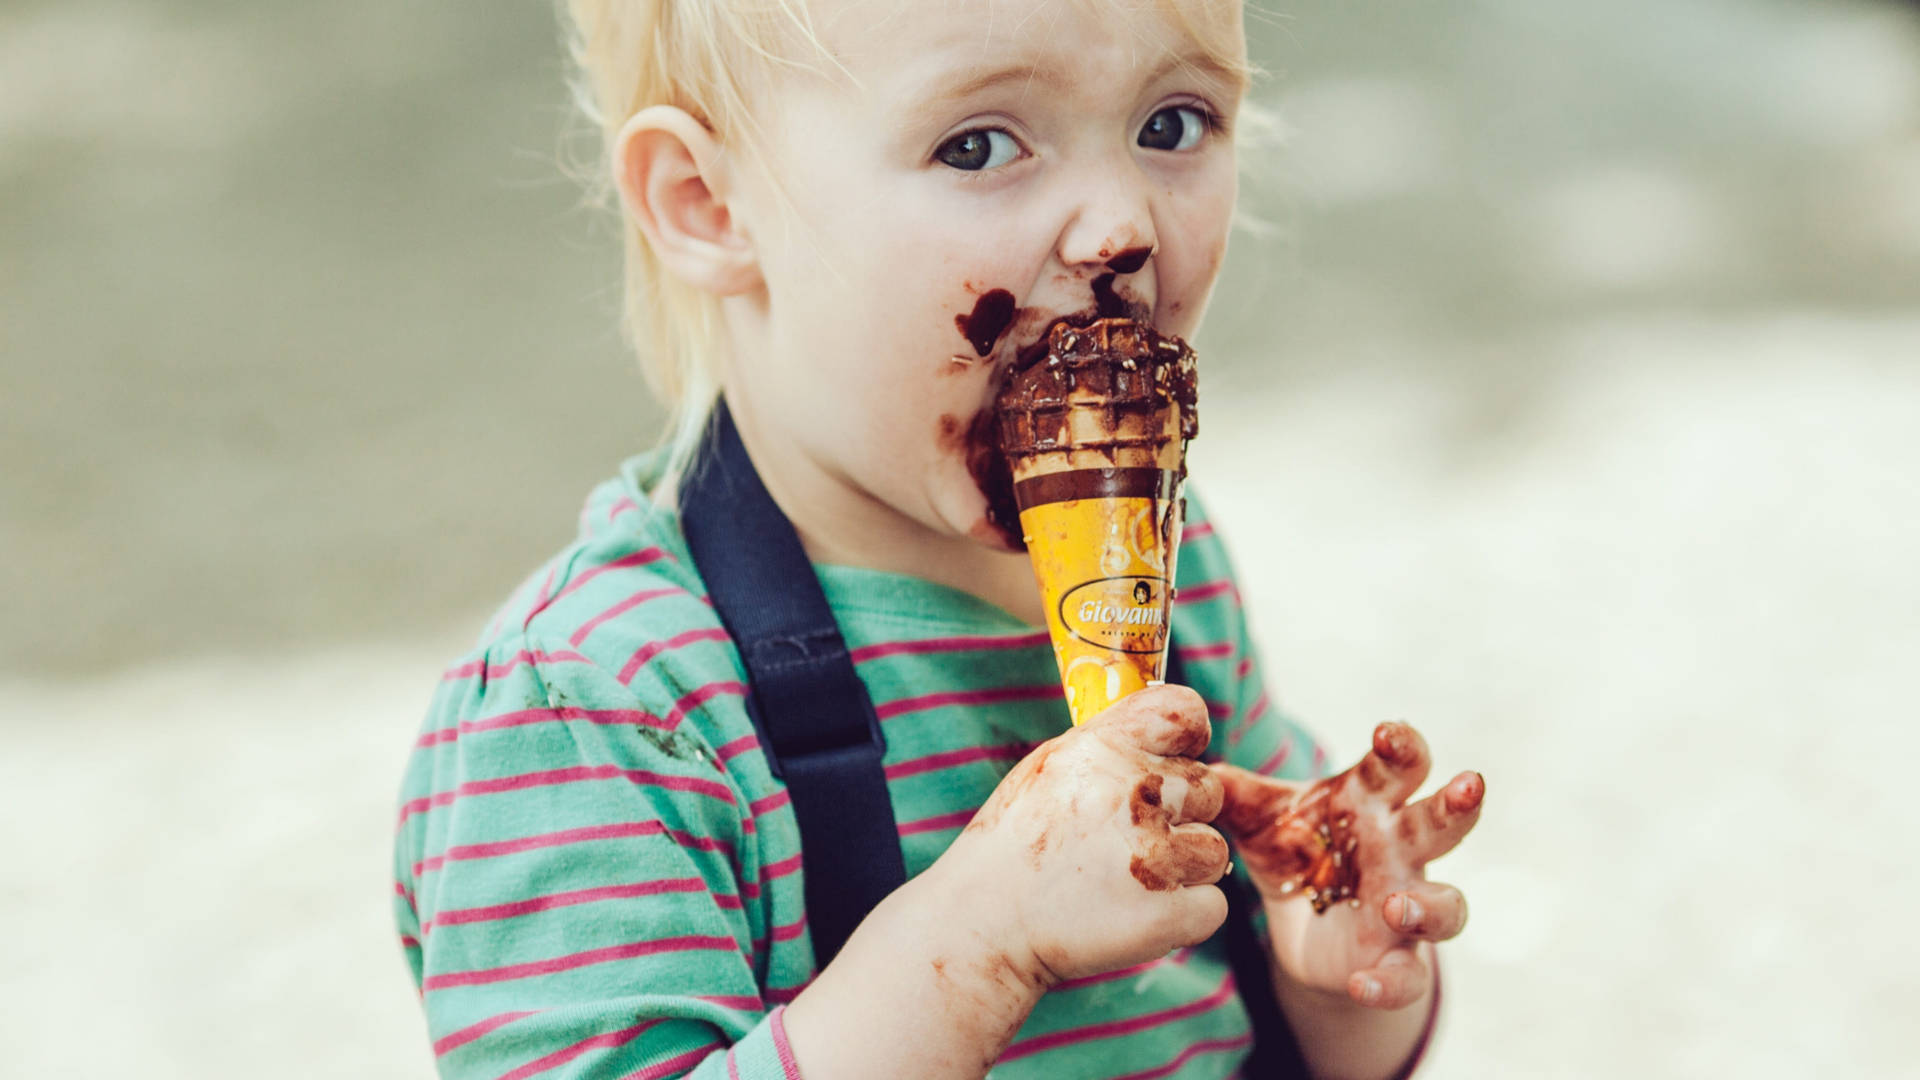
{"x":808,"y":705}
{"x":821,"y":734}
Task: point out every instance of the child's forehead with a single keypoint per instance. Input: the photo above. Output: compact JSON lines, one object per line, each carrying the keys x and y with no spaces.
{"x":944,"y":47}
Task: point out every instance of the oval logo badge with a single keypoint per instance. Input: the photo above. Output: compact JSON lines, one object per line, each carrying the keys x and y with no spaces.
{"x":1126,"y":614}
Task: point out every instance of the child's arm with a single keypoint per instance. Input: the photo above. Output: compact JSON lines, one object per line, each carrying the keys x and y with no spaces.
{"x":573,"y":900}
{"x":580,"y":890}
{"x":1341,"y":1039}
{"x":1091,"y":855}
{"x":923,"y":988}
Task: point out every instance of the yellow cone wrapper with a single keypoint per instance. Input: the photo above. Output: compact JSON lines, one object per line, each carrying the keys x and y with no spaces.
{"x":1105,"y":564}
{"x":1095,"y":434}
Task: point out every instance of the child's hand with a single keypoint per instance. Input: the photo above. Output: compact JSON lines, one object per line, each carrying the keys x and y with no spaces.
{"x":1096,"y":846}
{"x":1339,"y":866}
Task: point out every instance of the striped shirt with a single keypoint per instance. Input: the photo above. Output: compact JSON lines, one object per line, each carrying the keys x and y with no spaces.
{"x":596,"y":874}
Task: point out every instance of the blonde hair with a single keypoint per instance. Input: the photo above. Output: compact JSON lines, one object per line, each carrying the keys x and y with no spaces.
{"x":707,"y":57}
{"x":695,"y":55}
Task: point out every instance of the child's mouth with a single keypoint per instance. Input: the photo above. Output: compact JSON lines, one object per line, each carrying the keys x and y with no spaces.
{"x":993,"y":315}
{"x":995,"y":312}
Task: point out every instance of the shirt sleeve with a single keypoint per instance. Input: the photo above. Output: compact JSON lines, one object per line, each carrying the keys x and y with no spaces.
{"x":1216,"y":644}
{"x":575,"y":883}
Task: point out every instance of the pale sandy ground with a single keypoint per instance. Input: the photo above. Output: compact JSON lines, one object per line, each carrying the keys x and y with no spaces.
{"x":1673,"y":618}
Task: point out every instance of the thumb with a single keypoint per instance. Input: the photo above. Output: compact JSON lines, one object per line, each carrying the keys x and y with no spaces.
{"x":1277,"y":847}
{"x":1251,"y":802}
{"x":1170,"y":721}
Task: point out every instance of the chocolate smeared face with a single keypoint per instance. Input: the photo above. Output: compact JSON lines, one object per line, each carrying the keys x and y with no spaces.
{"x":906,"y":260}
{"x":994,"y":477}
{"x":1108,"y":303}
{"x":989,"y":319}
{"x":1145,"y":371}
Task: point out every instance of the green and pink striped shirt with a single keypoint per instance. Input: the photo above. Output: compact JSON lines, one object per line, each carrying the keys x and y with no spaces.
{"x":596,"y":875}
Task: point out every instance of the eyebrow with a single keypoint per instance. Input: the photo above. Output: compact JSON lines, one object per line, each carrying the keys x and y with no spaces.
{"x":1232,"y":80}
{"x":979,"y":81}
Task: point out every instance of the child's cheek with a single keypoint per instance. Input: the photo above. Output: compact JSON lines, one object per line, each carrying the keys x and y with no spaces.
{"x":975,"y":487}
{"x":1186,"y":283}
{"x":999,"y":522}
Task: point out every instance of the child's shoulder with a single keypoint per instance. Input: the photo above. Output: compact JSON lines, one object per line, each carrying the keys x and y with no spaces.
{"x":606,"y":665}
{"x":622,"y":599}
{"x":628,"y":556}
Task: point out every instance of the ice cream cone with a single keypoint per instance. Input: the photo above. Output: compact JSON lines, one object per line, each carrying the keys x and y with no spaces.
{"x":1095,"y":434}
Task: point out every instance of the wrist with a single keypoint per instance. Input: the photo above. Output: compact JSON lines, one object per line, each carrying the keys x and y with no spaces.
{"x":954,"y":990}
{"x":1341,"y":1038}
{"x":978,"y":941}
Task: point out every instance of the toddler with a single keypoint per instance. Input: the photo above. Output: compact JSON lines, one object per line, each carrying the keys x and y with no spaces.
{"x":843,"y":220}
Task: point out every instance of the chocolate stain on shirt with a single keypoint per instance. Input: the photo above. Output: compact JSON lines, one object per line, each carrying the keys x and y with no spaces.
{"x":673,"y":744}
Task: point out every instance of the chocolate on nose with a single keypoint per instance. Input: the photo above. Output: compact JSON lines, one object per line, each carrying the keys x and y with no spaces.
{"x":1130,"y":261}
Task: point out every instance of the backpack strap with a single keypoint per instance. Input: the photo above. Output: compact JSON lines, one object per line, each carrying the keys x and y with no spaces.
{"x":822,"y":736}
{"x":809,"y":707}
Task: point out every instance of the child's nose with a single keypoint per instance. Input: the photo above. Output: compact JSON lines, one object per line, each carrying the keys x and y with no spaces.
{"x":1113,"y":216}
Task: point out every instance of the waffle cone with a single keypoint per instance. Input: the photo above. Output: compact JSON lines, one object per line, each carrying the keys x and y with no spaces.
{"x":1095,"y":435}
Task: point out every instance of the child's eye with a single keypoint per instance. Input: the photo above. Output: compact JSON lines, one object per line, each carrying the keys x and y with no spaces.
{"x":1176,"y":127}
{"x":973,"y":151}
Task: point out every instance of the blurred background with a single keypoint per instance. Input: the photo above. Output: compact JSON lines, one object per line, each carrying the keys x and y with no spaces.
{"x":1568,"y":405}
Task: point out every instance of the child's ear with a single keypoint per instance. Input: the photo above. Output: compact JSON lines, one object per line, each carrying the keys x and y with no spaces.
{"x":672,"y":178}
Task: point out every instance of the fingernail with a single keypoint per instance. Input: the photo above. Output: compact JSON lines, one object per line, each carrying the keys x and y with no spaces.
{"x":1409,"y":913}
{"x":1369,"y":991}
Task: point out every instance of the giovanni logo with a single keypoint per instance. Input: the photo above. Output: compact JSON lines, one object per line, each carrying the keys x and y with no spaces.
{"x":1125,"y":614}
